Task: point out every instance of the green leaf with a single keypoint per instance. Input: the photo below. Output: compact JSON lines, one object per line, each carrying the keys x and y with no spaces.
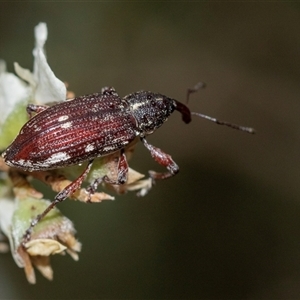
{"x":12,"y":125}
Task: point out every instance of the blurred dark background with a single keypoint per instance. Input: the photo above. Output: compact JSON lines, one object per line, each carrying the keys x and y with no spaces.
{"x":228,"y":226}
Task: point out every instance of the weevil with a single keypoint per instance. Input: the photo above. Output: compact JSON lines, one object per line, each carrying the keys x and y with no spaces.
{"x":87,"y":127}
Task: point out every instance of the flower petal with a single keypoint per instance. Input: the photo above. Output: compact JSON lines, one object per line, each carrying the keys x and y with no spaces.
{"x":40,"y":34}
{"x":12,"y":91}
{"x":44,"y":247}
{"x":42,"y":263}
{"x":25,"y":74}
{"x":49,"y":88}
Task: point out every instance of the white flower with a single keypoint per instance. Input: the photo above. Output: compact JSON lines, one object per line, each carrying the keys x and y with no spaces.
{"x":12,"y":91}
{"x":41,"y":87}
{"x":46,"y":87}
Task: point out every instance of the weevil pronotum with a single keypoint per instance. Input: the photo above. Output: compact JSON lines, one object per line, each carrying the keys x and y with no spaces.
{"x":92,"y":126}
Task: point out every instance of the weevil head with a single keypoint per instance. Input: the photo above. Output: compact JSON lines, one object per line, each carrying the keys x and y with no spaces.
{"x":150,"y":110}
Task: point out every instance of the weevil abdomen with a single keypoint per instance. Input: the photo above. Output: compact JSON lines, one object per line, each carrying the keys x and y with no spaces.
{"x":72,"y":132}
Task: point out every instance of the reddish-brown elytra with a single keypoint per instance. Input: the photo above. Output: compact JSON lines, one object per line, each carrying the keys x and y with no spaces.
{"x":92,"y":126}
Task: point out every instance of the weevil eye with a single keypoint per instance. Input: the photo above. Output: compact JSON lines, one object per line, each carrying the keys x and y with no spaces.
{"x":161,"y":104}
{"x":149,"y":97}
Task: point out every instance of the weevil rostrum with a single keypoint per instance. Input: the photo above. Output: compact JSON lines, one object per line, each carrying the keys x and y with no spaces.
{"x":87,"y":127}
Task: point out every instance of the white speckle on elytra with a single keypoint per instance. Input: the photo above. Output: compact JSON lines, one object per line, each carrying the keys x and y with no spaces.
{"x":89,"y":147}
{"x":108,"y":148}
{"x":22,"y":163}
{"x":63,"y":118}
{"x":66,"y":125}
{"x":55,"y":158}
{"x":48,"y":163}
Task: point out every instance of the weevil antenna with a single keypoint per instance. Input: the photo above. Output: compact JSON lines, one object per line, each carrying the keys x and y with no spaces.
{"x":234,"y":126}
{"x":198,"y":86}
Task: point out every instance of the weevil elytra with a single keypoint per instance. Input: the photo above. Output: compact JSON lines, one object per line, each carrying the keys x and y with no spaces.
{"x":92,"y":126}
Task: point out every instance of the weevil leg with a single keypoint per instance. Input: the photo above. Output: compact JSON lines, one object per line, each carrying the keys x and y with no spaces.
{"x":163,"y":159}
{"x":109,"y":91}
{"x":33,"y":108}
{"x":122,"y":169}
{"x":122,"y":174}
{"x":60,"y":197}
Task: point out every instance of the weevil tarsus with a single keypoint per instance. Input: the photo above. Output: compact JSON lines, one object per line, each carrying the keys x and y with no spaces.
{"x":163,"y":159}
{"x":109,"y":91}
{"x":34,"y":108}
{"x":122,"y":169}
